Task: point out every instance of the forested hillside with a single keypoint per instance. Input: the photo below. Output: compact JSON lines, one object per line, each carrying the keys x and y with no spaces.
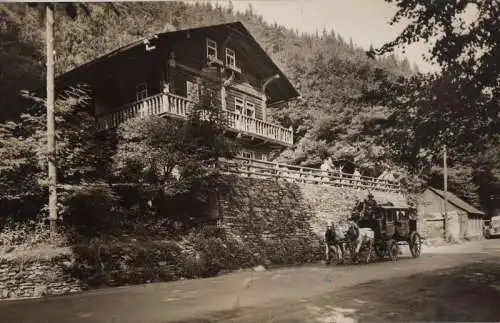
{"x":329,"y":71}
{"x":326,"y":69}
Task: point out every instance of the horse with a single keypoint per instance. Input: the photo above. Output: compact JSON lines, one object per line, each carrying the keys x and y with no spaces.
{"x":334,"y":238}
{"x":359,"y":237}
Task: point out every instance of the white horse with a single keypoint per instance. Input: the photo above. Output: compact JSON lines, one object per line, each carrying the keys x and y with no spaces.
{"x":359,"y":237}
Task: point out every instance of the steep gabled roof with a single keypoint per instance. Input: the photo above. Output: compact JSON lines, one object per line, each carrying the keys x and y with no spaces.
{"x":250,"y":44}
{"x":456,"y":201}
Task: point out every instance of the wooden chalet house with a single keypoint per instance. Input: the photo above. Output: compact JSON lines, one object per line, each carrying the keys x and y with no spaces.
{"x":162,"y":76}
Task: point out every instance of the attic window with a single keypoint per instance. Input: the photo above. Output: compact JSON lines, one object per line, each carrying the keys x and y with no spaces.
{"x":230,"y":57}
{"x":211,"y":48}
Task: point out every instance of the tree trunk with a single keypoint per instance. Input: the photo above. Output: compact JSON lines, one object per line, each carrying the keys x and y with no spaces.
{"x":51,"y":142}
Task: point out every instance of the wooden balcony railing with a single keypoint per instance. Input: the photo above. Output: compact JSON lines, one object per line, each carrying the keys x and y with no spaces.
{"x":258,"y":127}
{"x":179,"y":107}
{"x":292,"y":173}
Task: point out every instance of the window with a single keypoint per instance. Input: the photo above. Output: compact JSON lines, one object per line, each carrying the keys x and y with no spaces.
{"x":263,"y":157}
{"x":238,"y":105}
{"x":230,"y":57}
{"x":211,"y":48}
{"x":141,"y":91}
{"x":390,"y":216}
{"x":250,"y":109}
{"x":244,"y":107}
{"x":246,"y":154}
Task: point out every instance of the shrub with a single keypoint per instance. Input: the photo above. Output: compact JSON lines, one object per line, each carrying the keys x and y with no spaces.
{"x":120,"y":263}
{"x":293,"y":251}
{"x":28,"y":235}
{"x":204,"y":252}
{"x":208,"y":252}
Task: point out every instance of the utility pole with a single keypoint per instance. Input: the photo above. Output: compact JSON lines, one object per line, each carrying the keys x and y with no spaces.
{"x":51,"y":142}
{"x":445,"y":185}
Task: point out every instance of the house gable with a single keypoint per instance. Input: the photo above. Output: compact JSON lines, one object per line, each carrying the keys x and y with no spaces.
{"x":234,"y":36}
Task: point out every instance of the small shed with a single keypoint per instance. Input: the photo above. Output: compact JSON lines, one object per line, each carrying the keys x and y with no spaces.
{"x":464,"y":220}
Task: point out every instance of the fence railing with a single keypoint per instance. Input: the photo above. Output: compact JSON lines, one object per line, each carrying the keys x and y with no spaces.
{"x":179,"y":107}
{"x":263,"y":169}
{"x":292,"y":173}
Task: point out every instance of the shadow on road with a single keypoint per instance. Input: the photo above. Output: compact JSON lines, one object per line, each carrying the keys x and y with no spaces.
{"x":466,"y":293}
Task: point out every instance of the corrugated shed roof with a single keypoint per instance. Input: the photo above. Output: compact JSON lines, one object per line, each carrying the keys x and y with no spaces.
{"x":459,"y":203}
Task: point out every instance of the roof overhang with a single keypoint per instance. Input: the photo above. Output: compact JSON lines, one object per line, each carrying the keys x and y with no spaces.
{"x":280,"y":90}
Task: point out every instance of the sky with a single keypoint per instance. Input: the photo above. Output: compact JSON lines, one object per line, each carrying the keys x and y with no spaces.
{"x":365,"y":21}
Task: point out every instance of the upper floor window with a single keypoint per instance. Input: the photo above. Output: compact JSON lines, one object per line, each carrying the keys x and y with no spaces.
{"x":244,"y":107}
{"x":239,"y":105}
{"x":211,"y":48}
{"x":141,"y":91}
{"x":230,"y":57}
{"x":250,"y":109}
{"x":247,"y":154}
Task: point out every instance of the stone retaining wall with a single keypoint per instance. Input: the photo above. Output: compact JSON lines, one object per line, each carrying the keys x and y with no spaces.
{"x":280,"y":207}
{"x":268,"y":209}
{"x":36,"y":278}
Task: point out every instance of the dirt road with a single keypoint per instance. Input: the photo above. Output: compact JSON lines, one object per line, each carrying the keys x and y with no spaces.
{"x":459,"y":283}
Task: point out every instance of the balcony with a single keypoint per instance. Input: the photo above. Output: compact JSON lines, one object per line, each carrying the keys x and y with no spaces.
{"x":178,"y":107}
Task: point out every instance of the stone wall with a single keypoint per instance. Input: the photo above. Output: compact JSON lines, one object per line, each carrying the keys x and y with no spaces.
{"x":37,"y":277}
{"x":280,"y":207}
{"x":265,"y":207}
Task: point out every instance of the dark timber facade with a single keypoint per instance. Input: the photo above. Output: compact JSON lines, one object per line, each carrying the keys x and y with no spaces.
{"x":165,"y":75}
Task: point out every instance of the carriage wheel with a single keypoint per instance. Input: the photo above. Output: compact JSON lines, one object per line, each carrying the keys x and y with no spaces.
{"x":393,"y":249}
{"x":415,"y":244}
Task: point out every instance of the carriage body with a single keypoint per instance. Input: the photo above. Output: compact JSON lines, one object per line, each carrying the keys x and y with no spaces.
{"x":393,"y":225}
{"x":396,"y":222}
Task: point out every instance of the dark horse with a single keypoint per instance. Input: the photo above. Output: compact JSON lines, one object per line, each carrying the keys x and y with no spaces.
{"x":334,"y":239}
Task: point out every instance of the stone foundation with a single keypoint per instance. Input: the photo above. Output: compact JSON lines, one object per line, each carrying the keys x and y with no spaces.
{"x":36,"y":278}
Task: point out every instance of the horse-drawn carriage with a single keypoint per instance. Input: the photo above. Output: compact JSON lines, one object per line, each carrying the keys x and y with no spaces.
{"x":378,"y":230}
